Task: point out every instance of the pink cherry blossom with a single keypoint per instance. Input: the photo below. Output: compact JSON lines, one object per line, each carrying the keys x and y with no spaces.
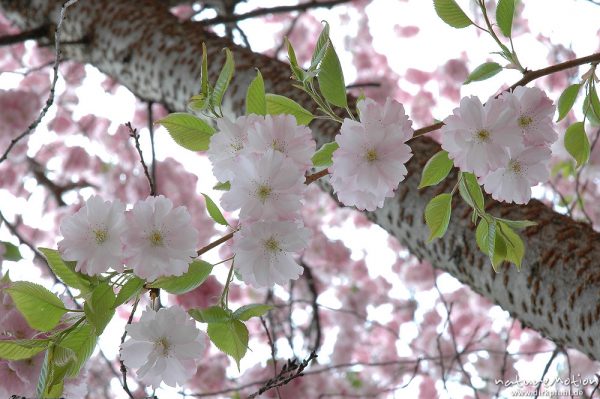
{"x":281,"y":133}
{"x":513,"y":181}
{"x":476,"y":136}
{"x":369,"y":163}
{"x":264,"y":252}
{"x":227,"y":144}
{"x":159,"y":240}
{"x":92,"y":236}
{"x":265,"y":187}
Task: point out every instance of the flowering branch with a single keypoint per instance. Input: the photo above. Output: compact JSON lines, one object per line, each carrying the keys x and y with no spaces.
{"x":133,"y":133}
{"x":50,"y":99}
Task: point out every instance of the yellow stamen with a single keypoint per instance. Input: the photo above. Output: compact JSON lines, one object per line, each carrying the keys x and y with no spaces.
{"x":101,"y":236}
{"x":272,"y":245}
{"x":264,"y":192}
{"x":483,"y":135}
{"x":156,"y":238}
{"x":371,"y":155}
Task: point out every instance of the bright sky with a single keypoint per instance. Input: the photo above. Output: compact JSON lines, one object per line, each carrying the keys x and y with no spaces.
{"x":571,"y":22}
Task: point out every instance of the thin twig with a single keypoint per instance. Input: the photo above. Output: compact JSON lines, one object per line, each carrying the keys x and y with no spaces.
{"x":123,"y":368}
{"x":216,"y":243}
{"x":272,"y":346}
{"x":50,"y":99}
{"x":151,"y":130}
{"x":133,"y":133}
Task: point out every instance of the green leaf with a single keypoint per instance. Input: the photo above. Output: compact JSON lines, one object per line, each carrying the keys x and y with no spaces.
{"x":230,"y":337}
{"x":323,"y":157}
{"x":99,"y":307}
{"x":517,"y":224}
{"x":18,"y":349}
{"x":591,"y":107}
{"x":483,"y":72}
{"x":253,"y":310}
{"x":64,"y":359}
{"x":131,"y":288}
{"x":504,"y":16}
{"x":213,"y":211}
{"x":331,"y":79}
{"x":470,"y":190}
{"x":491,"y":242}
{"x":277,"y":104}
{"x":222,"y":186}
{"x":436,"y":169}
{"x":188,"y":130}
{"x":11,"y":251}
{"x":296,"y":70}
{"x":437,"y":215}
{"x":198,"y":102}
{"x":204,"y":71}
{"x":451,"y":13}
{"x":40,"y":307}
{"x":256,"y":103}
{"x":197,"y":273}
{"x":321,"y":47}
{"x":515,"y":248}
{"x":82,"y":342}
{"x":567,"y":99}
{"x":65,"y":271}
{"x":577,"y":143}
{"x":44,"y":373}
{"x":213,"y":314}
{"x":223,"y":80}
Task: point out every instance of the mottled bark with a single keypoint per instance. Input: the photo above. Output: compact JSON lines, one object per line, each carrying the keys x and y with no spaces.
{"x":146,"y":49}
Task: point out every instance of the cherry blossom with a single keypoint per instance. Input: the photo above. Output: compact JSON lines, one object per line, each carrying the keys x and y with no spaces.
{"x":281,"y":133}
{"x":92,"y":236}
{"x":369,"y":163}
{"x":228,"y":144}
{"x":264,"y":252}
{"x":476,"y":136}
{"x":159,"y":240}
{"x":163,"y":346}
{"x":513,"y":181}
{"x":265,"y":187}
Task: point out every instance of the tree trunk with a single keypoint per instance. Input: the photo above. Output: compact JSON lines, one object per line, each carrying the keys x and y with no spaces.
{"x":157,"y":57}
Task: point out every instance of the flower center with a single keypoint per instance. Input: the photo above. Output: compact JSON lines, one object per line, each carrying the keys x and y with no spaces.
{"x":371,"y":155}
{"x":237,"y":145}
{"x":163,"y":346}
{"x":101,"y":236}
{"x":525,"y":121}
{"x":272,"y":245}
{"x":278,"y":146}
{"x":263,"y":192}
{"x":156,"y":239}
{"x":483,"y":136}
{"x":515,"y":167}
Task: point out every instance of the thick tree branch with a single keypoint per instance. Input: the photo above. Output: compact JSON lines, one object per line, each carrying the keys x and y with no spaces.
{"x":555,"y":292}
{"x":35,"y":33}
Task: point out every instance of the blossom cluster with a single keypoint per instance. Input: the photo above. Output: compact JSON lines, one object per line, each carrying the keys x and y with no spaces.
{"x":265,"y":159}
{"x":153,"y":238}
{"x":370,"y":161}
{"x":505,"y":143}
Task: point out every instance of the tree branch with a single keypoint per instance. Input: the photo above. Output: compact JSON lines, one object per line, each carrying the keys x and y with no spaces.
{"x":36,"y":33}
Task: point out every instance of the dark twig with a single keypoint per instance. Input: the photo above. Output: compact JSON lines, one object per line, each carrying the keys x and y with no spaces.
{"x":216,"y":243}
{"x":20,"y":37}
{"x":287,"y":33}
{"x":151,"y":130}
{"x":316,"y":321}
{"x":539,"y":384}
{"x":123,"y":368}
{"x":133,"y":133}
{"x":50,"y":99}
{"x":273,"y":10}
{"x":272,"y":345}
{"x":316,"y":176}
{"x":290,"y":371}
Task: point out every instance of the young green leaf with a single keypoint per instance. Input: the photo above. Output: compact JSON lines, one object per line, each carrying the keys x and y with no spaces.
{"x":222,"y":186}
{"x":470,"y":190}
{"x":65,"y":271}
{"x":517,"y":224}
{"x":256,"y":103}
{"x":99,"y":307}
{"x":437,"y":215}
{"x":11,"y":251}
{"x":277,"y":104}
{"x":515,"y":249}
{"x":436,"y":169}
{"x":321,"y":47}
{"x":253,"y":310}
{"x":496,"y":251}
{"x":82,"y":342}
{"x":131,"y":288}
{"x":296,"y":70}
{"x":567,"y":99}
{"x":331,"y":79}
{"x":40,"y":307}
{"x":577,"y":143}
{"x":323,"y":156}
{"x":591,"y":107}
{"x":18,"y":349}
{"x":188,"y":130}
{"x":212,"y":314}
{"x":483,"y":72}
{"x":197,"y":273}
{"x":216,"y":98}
{"x":505,"y":12}
{"x":451,"y":13}
{"x":213,"y":211}
{"x":230,"y":337}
